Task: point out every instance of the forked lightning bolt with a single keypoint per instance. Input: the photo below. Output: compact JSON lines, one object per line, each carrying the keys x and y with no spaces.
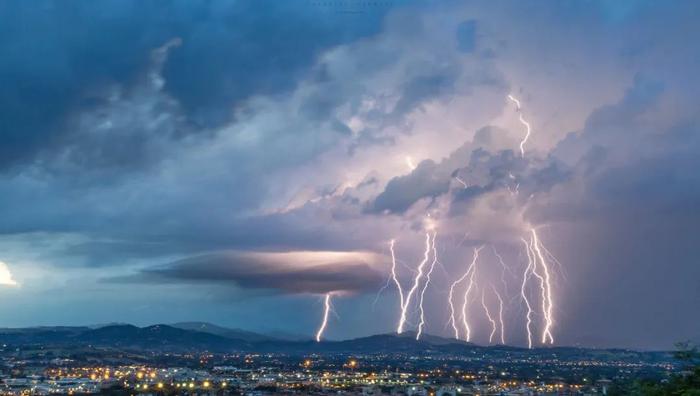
{"x":324,"y":322}
{"x":470,"y":286}
{"x":535,"y":261}
{"x":500,"y":315}
{"x":394,"y":275}
{"x":450,"y":297}
{"x":523,"y":294}
{"x":425,"y":287}
{"x":406,"y":299}
{"x":522,"y":121}
{"x":543,"y":289}
{"x":488,"y":316}
{"x":465,"y":316}
{"x":547,"y":307}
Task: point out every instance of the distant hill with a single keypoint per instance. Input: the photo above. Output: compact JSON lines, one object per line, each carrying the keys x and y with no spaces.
{"x":199,"y":337}
{"x":381,"y":343}
{"x":287,"y":336}
{"x":159,"y":337}
{"x":205,"y":336}
{"x":238,"y":334}
{"x":156,"y":337}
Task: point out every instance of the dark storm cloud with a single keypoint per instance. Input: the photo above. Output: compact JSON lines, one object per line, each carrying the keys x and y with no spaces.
{"x":466,"y":36}
{"x":96,"y":139}
{"x":628,"y":166}
{"x":288,"y":273}
{"x":402,"y":191}
{"x":235,"y":49}
{"x":59,"y":59}
{"x":422,"y":88}
{"x":479,"y":164}
{"x":52,"y":55}
{"x":632,"y":203}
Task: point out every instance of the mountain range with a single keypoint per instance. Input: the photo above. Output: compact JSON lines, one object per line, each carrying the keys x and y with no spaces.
{"x":200,"y":336}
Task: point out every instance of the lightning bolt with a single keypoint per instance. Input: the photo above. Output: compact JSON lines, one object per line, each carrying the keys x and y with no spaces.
{"x":500,"y":315}
{"x":425,"y":287}
{"x":540,"y":278}
{"x":504,"y":268}
{"x":416,"y":282}
{"x":547,"y":303}
{"x":450,"y":301}
{"x":535,"y":258}
{"x":326,"y":311}
{"x":488,"y":315}
{"x":472,"y":271}
{"x":523,"y":293}
{"x":462,"y":182}
{"x":394,"y":276}
{"x":522,"y":121}
{"x":450,"y":298}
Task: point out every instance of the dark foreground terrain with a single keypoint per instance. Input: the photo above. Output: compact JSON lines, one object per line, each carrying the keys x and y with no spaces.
{"x":200,"y":358}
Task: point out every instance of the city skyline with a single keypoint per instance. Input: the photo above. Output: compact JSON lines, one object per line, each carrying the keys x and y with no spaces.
{"x":520,"y":173}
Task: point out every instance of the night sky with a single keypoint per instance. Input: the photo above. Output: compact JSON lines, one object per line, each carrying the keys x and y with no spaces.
{"x":234,"y":161}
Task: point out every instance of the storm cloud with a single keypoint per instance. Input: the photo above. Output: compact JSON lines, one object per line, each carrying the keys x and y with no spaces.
{"x":152,"y":151}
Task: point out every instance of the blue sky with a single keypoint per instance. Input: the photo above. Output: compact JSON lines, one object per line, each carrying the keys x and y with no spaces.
{"x":234,"y":161}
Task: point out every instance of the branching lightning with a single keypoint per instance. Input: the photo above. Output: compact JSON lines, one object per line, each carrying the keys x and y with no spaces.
{"x":547,"y":304}
{"x":538,"y":273}
{"x":488,"y":315}
{"x":504,"y":268}
{"x":522,"y":121}
{"x":500,"y":315}
{"x":394,"y":275}
{"x":412,"y":290}
{"x":450,"y":298}
{"x":324,"y":322}
{"x":425,"y":287}
{"x":472,"y":271}
{"x":535,"y":261}
{"x":523,"y":294}
{"x":465,"y":317}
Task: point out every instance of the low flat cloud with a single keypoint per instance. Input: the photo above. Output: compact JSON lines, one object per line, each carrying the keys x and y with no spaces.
{"x":283,"y":272}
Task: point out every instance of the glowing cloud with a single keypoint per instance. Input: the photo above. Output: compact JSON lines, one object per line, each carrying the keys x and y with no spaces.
{"x":6,"y":276}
